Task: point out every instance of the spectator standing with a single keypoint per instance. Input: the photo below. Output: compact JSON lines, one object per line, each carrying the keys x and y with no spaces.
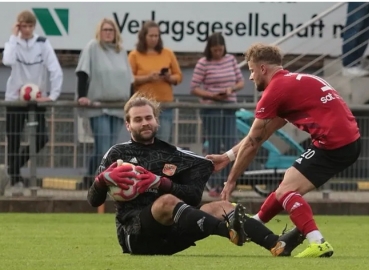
{"x":156,"y":70}
{"x":31,"y":57}
{"x":104,"y":75}
{"x":216,"y":80}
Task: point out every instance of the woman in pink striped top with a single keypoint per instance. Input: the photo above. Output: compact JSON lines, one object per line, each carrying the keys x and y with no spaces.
{"x":216,"y":79}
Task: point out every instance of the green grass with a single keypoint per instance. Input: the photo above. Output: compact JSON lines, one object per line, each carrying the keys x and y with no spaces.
{"x":88,"y":241}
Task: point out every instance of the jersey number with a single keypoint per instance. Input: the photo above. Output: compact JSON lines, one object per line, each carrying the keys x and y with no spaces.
{"x":326,"y":86}
{"x":308,"y":154}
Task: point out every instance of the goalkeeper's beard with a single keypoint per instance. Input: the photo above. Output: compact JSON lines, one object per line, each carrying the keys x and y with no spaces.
{"x":138,"y":137}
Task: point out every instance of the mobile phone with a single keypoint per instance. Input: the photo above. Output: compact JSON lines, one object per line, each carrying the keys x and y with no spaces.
{"x":222,"y":94}
{"x":163,"y":71}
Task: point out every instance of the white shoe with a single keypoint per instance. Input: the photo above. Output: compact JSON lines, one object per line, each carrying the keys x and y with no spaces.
{"x":4,"y":179}
{"x":354,"y":72}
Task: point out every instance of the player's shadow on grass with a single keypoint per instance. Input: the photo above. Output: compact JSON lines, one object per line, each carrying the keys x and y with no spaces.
{"x":221,"y":255}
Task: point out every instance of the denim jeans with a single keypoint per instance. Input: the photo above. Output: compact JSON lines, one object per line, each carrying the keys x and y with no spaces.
{"x":166,"y":123}
{"x":357,"y":45}
{"x":106,"y":129}
{"x":220,"y":129}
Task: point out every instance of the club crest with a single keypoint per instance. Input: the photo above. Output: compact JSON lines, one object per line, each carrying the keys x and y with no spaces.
{"x":169,"y":169}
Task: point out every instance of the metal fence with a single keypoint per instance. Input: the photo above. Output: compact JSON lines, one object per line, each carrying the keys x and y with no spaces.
{"x":60,"y":168}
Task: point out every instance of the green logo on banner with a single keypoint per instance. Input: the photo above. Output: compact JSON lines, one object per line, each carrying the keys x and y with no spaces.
{"x":47,"y":21}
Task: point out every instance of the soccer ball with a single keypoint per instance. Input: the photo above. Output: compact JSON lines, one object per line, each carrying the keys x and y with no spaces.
{"x":29,"y":92}
{"x":118,"y":194}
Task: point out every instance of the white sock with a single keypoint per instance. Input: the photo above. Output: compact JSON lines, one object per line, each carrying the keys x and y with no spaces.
{"x":257,"y":218}
{"x":314,"y":237}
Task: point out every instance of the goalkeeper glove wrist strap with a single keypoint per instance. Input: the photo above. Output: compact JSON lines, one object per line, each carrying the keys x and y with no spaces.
{"x":101,"y":185}
{"x":165,"y":185}
{"x":100,"y":181}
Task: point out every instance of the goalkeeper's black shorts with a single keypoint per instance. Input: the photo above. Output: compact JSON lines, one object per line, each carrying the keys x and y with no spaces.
{"x":145,"y":236}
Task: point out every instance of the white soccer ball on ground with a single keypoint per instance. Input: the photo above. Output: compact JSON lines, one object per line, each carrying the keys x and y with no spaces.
{"x":118,"y":194}
{"x":29,"y":92}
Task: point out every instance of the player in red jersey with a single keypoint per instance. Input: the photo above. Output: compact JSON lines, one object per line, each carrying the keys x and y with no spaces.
{"x":311,"y":104}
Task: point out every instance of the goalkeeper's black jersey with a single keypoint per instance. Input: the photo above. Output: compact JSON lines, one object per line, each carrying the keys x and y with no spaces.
{"x":188,"y":172}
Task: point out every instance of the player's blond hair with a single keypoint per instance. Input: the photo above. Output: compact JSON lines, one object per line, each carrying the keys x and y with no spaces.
{"x":139,"y":100}
{"x":260,"y":52}
{"x":26,"y":16}
{"x":117,"y":37}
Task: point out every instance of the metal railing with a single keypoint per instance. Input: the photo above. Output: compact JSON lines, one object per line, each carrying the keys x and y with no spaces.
{"x":294,"y":32}
{"x":338,"y":60}
{"x":332,"y":70}
{"x":302,"y":27}
{"x":63,"y":161}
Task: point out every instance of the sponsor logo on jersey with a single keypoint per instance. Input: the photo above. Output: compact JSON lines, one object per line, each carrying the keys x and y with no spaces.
{"x":329,"y":97}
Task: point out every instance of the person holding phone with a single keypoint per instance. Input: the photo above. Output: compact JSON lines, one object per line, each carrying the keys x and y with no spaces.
{"x":156,"y":71}
{"x":217,"y":79}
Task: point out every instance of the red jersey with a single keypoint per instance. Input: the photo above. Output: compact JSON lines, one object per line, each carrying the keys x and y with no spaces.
{"x":312,"y":105}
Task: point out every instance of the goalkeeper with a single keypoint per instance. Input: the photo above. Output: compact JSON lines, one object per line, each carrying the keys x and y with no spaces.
{"x":165,"y":217}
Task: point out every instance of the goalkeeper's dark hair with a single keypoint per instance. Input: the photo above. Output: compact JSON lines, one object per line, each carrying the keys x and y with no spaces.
{"x":139,"y":100}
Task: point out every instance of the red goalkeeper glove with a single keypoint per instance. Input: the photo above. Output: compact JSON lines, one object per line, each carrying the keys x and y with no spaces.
{"x":117,"y":176}
{"x":150,"y":180}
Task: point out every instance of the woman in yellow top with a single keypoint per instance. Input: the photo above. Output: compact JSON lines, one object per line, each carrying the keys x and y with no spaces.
{"x":156,"y":70}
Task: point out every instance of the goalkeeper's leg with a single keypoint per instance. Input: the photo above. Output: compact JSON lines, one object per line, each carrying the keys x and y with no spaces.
{"x":278,"y":245}
{"x":256,"y":232}
{"x":168,"y":210}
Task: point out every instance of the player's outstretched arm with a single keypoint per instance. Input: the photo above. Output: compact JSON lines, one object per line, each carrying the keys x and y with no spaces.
{"x":221,"y":161}
{"x":260,"y":131}
{"x":246,"y":150}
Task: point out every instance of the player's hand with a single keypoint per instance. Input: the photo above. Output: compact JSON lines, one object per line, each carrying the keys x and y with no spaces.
{"x":227,"y":190}
{"x":150,"y":180}
{"x":15,"y":29}
{"x":219,"y":161}
{"x":43,"y":99}
{"x":117,"y":176}
{"x":84,"y":101}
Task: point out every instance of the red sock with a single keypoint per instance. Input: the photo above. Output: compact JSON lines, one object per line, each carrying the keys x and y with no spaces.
{"x":270,"y":208}
{"x":300,"y":212}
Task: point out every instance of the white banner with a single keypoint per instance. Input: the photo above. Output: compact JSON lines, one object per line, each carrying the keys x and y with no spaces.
{"x":185,"y":26}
